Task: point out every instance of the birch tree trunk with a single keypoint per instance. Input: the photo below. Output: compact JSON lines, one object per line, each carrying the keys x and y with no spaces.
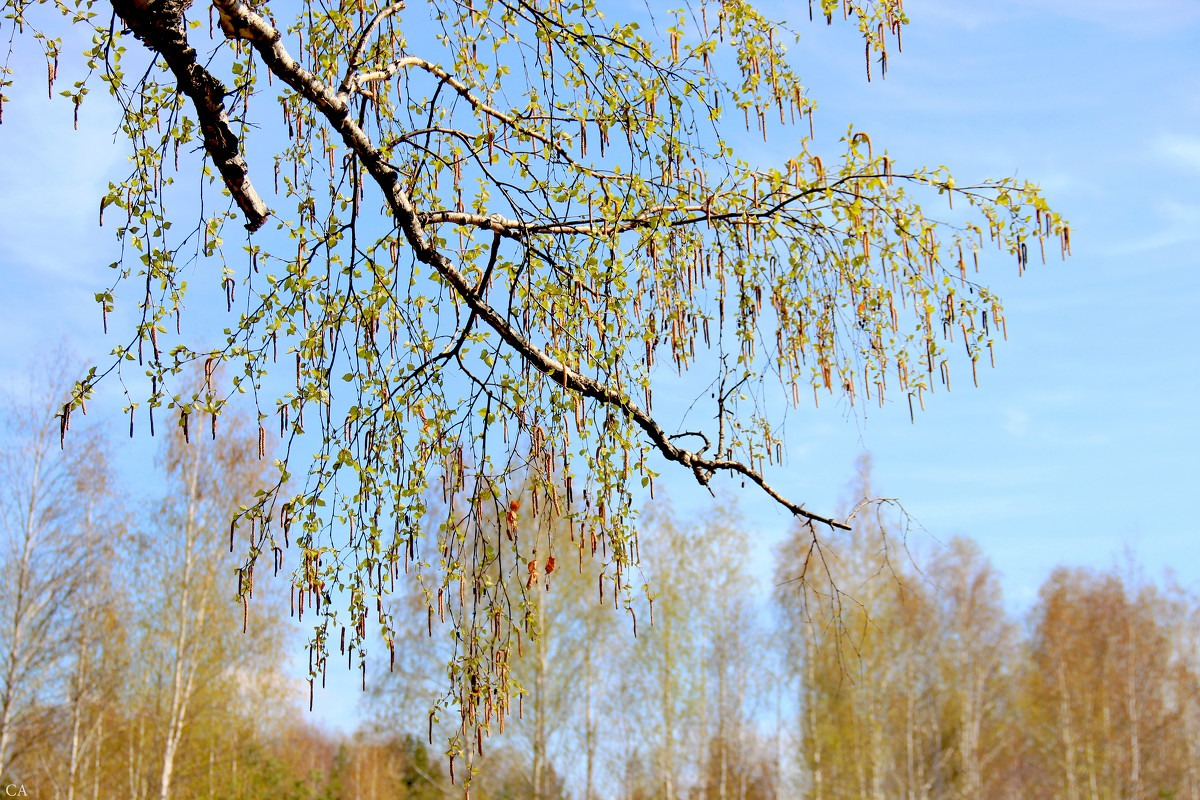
{"x":193,"y":597}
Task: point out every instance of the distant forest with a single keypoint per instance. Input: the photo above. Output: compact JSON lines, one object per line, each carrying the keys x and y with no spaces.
{"x":860,"y":668}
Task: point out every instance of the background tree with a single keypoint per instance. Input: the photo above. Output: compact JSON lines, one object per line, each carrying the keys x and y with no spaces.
{"x":205,"y":656}
{"x":100,"y":655}
{"x":937,"y":693}
{"x":1108,"y":696}
{"x":974,"y":643}
{"x":905,"y":668}
{"x":836,"y":600}
{"x":55,"y":528}
{"x":561,"y":674}
{"x":562,"y":210}
{"x":737,"y":681}
{"x":666,"y":678}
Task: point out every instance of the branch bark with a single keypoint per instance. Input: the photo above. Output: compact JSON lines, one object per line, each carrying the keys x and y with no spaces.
{"x":162,"y":28}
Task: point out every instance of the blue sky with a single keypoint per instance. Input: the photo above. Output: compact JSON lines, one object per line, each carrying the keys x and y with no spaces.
{"x":1080,"y":443}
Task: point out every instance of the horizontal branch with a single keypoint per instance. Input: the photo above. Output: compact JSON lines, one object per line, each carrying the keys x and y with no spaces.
{"x":700,"y":213}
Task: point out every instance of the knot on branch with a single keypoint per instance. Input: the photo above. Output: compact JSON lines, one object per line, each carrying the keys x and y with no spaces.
{"x":153,"y":20}
{"x":231,"y":19}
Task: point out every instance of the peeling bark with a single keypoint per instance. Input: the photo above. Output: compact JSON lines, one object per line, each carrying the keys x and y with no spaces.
{"x":162,"y":28}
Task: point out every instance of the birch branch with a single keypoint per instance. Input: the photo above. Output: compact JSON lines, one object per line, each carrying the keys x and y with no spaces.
{"x":163,"y":29}
{"x":239,"y":21}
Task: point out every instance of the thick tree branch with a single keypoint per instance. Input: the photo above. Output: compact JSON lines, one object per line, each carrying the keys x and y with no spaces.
{"x":163,"y":29}
{"x":265,"y":38}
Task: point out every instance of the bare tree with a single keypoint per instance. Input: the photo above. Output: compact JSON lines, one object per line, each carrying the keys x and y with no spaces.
{"x":99,"y":657}
{"x":48,"y":529}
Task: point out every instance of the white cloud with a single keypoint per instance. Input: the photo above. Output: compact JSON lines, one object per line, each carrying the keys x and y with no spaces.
{"x":52,"y":252}
{"x":1180,"y":149}
{"x":1180,"y":225}
{"x":1143,"y":17}
{"x":1140,"y":18}
{"x":1052,"y":419}
{"x":1016,"y":422}
{"x":954,"y":13}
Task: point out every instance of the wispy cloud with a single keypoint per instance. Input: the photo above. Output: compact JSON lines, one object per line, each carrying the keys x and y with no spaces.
{"x":1050,"y":418}
{"x":1181,"y":150}
{"x":1141,"y":18}
{"x":954,"y":13}
{"x":1016,"y":422}
{"x":1180,"y":225}
{"x":1144,"y":17}
{"x":53,"y":259}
